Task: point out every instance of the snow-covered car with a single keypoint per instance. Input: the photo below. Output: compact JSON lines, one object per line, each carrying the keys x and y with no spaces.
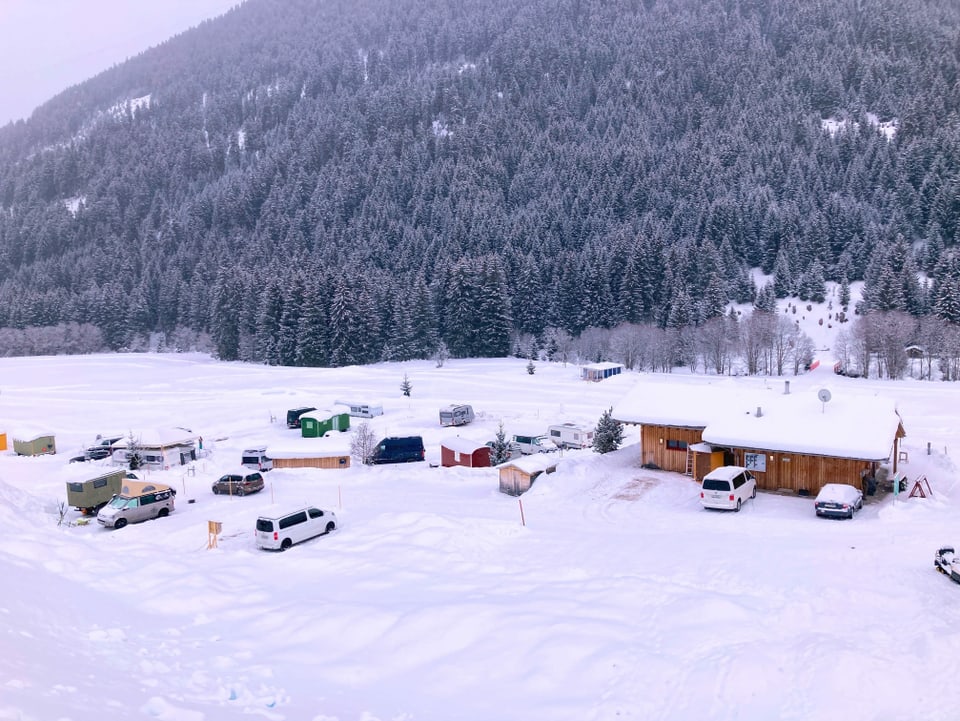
{"x":947,"y":562}
{"x":839,"y":500}
{"x":727,"y":488}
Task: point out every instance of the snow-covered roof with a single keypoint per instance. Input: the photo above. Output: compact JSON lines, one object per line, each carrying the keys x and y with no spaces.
{"x":321,"y":415}
{"x":160,"y":438}
{"x":334,"y":447}
{"x":462,"y":445}
{"x":848,"y":426}
{"x":533,"y":463}
{"x":602,"y":366}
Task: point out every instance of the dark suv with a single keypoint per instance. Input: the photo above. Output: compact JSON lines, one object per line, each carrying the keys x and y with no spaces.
{"x":293,"y":415}
{"x":239,"y":484}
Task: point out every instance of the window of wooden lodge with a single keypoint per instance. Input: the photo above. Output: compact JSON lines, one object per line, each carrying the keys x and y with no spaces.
{"x":674,"y":445}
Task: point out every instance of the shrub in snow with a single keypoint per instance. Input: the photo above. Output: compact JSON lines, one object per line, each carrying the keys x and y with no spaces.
{"x":406,"y":386}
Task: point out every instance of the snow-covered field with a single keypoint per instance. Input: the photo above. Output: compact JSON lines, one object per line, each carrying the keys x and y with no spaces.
{"x":619,"y":599}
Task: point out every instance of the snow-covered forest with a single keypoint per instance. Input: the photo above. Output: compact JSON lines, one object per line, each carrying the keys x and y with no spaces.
{"x":306,"y":183}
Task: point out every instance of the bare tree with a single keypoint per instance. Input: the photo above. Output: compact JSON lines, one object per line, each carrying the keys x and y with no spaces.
{"x":783,"y":339}
{"x":715,"y":343}
{"x":363,"y":443}
{"x":930,"y":336}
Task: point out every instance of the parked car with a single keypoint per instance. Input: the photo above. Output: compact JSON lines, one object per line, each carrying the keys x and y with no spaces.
{"x":839,"y":500}
{"x":293,"y":415}
{"x":280,"y":532}
{"x":727,"y":487}
{"x":239,"y":484}
{"x":137,"y":501}
{"x":399,"y":449}
{"x":948,"y":563}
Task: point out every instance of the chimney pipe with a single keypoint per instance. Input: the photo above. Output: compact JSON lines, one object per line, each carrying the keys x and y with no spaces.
{"x":759,"y":412}
{"x":786,"y":388}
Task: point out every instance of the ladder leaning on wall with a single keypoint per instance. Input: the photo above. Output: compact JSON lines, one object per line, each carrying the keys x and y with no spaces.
{"x":689,"y":471}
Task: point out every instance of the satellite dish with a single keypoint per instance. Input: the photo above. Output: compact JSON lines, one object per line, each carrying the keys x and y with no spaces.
{"x":824,"y":395}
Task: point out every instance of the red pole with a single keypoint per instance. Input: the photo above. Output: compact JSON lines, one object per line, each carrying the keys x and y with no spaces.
{"x":523,"y":521}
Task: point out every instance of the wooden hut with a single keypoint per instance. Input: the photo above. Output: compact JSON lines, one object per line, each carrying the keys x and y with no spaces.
{"x":316,"y":424}
{"x":316,"y":453}
{"x":517,"y":476}
{"x":463,"y":452}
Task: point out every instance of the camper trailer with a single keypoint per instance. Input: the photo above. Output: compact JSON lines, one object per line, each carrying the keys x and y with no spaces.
{"x":570,"y":435}
{"x":456,"y":415}
{"x":91,"y":495}
{"x":362,"y":410}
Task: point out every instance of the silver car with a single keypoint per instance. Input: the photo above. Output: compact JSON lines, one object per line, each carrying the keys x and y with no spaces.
{"x":138,"y":501}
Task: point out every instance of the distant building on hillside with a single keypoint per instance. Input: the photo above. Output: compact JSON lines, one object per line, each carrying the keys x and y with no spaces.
{"x":599,"y":371}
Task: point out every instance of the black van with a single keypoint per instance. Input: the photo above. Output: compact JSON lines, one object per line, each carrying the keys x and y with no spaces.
{"x":293,"y":415}
{"x":404,"y":449}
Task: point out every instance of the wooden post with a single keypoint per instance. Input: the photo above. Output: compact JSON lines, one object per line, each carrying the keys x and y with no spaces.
{"x":523,"y":521}
{"x":339,"y":498}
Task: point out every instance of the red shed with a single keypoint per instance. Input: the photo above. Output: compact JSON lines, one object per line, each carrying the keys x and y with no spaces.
{"x":463,"y":452}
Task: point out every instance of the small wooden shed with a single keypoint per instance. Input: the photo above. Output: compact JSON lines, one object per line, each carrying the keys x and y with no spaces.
{"x":464,"y":452}
{"x":315,"y":424}
{"x":599,"y":371}
{"x":38,"y":445}
{"x":517,"y":476}
{"x":312,"y":456}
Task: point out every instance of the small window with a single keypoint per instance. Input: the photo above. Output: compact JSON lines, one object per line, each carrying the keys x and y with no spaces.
{"x":149,"y":498}
{"x":264,"y":525}
{"x":316,"y":513}
{"x":100,"y":483}
{"x":715,"y":484}
{"x":739,"y":480}
{"x":293,"y":520}
{"x":674,"y":445}
{"x":75,"y":487}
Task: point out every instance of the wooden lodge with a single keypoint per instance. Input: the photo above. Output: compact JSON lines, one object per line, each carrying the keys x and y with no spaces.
{"x":791,"y":442}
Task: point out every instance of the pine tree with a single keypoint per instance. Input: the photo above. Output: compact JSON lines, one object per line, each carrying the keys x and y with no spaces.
{"x":500,"y":448}
{"x":608,"y":434}
{"x":531,"y":368}
{"x":406,"y":386}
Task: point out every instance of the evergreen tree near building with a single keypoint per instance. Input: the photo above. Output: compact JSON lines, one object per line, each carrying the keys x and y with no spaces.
{"x":500,"y":450}
{"x":608,"y":434}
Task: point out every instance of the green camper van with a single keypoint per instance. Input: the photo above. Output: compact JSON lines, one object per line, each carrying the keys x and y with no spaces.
{"x":89,"y":496}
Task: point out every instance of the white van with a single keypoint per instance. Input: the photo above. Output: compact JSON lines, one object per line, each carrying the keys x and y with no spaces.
{"x":529,"y":445}
{"x":257,"y":459}
{"x":727,"y":488}
{"x":281,"y":532}
{"x":570,"y":435}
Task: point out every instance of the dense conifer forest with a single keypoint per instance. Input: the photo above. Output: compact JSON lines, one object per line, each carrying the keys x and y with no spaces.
{"x":328,"y":182}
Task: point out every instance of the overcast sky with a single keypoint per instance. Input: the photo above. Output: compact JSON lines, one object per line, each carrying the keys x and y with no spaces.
{"x":48,"y":45}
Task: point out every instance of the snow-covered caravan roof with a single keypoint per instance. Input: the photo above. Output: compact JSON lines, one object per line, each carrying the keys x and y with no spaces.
{"x":462,"y":445}
{"x":311,"y":448}
{"x":160,"y":438}
{"x":848,"y":426}
{"x":322,"y":414}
